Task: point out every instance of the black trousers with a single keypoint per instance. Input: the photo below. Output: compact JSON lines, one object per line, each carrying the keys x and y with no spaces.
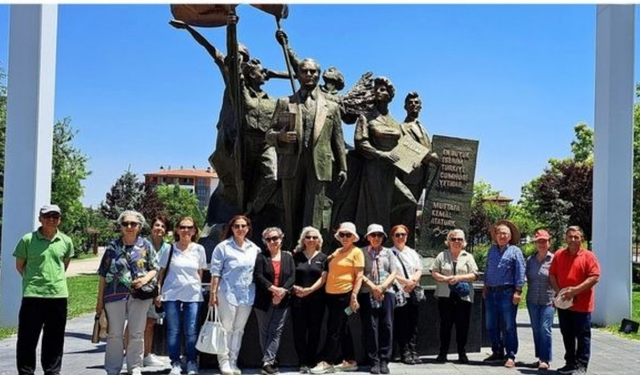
{"x":576,"y":335}
{"x":307,"y":317}
{"x":48,"y":315}
{"x":454,"y":311}
{"x":377,"y":327}
{"x":405,"y":327}
{"x":339,"y":343}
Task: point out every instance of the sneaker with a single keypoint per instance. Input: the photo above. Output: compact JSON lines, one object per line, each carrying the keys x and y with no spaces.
{"x":304,"y":369}
{"x":347,"y":366}
{"x":462,"y":358}
{"x":441,"y":358}
{"x":375,"y":369}
{"x":416,"y":358}
{"x":510,"y":363}
{"x":234,"y":368}
{"x":269,"y":369}
{"x":384,"y":367}
{"x":494,"y":357}
{"x":192,"y":368}
{"x":152,"y":360}
{"x":136,"y":371}
{"x":176,"y":369}
{"x":543,"y":366}
{"x":323,"y":368}
{"x":567,"y":369}
{"x":225,"y":368}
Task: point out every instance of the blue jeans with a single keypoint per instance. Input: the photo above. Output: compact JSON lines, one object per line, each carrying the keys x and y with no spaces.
{"x":501,"y":322}
{"x":576,"y":331}
{"x":541,"y":321}
{"x":187,"y":313}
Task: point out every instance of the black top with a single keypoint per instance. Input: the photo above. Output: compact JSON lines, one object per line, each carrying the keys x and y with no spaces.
{"x":308,"y":271}
{"x":263,"y":276}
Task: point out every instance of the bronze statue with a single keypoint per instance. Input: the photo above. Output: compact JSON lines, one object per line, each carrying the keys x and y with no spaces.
{"x":307,"y":133}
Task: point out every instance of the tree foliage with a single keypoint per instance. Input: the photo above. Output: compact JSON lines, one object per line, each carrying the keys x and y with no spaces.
{"x":179,"y":202}
{"x":3,"y":131}
{"x":126,"y":194}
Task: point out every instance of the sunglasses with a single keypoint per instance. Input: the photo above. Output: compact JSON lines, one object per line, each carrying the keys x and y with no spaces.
{"x":377,"y":234}
{"x":239,"y":226}
{"x":129,"y":224}
{"x":457,"y":239}
{"x":185,"y":227}
{"x":51,"y":216}
{"x":345,"y":235}
{"x":272,"y":239}
{"x":312,"y":238}
{"x":398,"y":235}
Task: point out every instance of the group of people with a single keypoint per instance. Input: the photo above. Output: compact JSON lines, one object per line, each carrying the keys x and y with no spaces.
{"x":138,"y":276}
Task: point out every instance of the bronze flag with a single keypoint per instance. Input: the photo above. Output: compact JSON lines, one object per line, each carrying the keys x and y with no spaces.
{"x":202,"y":15}
{"x":280,"y":11}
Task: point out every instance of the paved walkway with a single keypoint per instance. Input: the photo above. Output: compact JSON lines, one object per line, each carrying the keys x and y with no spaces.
{"x":87,"y":266}
{"x":612,"y":355}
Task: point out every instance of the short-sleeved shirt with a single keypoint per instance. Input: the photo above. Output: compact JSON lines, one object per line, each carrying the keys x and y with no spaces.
{"x":378,"y":265}
{"x":182,"y":282}
{"x":44,"y":272}
{"x":504,"y":267}
{"x":164,"y":246}
{"x":121,"y":264}
{"x":308,"y":271}
{"x":573,"y":270}
{"x":343,"y":269}
{"x":234,"y":265}
{"x":539,"y":290}
{"x":465,"y":264}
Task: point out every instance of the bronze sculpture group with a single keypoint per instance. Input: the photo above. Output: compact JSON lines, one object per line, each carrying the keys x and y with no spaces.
{"x":285,"y":161}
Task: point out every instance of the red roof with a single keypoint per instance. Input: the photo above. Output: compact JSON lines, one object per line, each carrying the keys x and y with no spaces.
{"x":183,"y":173}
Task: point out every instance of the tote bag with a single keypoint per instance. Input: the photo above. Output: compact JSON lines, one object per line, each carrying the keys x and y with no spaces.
{"x":213,"y":337}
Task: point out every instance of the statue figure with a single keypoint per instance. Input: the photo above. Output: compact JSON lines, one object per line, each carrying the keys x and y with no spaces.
{"x":383,"y":199}
{"x":307,"y":133}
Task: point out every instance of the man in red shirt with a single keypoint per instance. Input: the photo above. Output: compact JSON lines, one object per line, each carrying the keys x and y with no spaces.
{"x":573,"y":273}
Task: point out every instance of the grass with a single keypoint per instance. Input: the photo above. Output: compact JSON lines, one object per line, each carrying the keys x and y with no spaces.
{"x":635,"y":315}
{"x":83,"y":291}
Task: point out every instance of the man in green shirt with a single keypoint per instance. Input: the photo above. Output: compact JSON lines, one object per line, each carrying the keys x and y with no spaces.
{"x":42,"y":258}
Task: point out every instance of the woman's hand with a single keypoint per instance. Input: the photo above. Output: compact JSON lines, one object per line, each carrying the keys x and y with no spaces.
{"x":279,"y":292}
{"x":355,"y":306}
{"x":213,"y":299}
{"x":99,"y":307}
{"x":378,"y":292}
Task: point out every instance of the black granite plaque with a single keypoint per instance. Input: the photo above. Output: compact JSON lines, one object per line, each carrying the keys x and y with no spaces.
{"x":448,"y":205}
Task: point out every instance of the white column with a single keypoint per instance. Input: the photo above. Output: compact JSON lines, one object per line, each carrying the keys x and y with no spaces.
{"x":29,"y":142}
{"x":613,"y":169}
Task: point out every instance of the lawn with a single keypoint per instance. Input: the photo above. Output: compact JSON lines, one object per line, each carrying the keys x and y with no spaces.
{"x":83,"y":291}
{"x":635,"y":315}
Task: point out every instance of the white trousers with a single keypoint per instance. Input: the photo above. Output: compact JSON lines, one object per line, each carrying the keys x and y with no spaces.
{"x":233,"y":319}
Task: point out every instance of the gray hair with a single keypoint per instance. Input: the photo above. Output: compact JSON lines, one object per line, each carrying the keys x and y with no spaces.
{"x":303,"y":234}
{"x":272,"y":229}
{"x":139,"y":217}
{"x":452,"y":233}
{"x":574,"y":228}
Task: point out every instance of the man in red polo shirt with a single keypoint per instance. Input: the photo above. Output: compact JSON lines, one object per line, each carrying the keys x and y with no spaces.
{"x":573,"y":273}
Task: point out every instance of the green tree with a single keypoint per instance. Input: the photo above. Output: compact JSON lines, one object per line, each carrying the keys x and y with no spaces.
{"x":3,"y":131}
{"x":179,"y":202}
{"x":582,"y":146}
{"x":126,"y":194}
{"x":69,"y":170}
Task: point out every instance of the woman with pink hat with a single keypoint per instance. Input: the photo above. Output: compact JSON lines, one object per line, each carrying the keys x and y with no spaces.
{"x":344,"y":278}
{"x":540,"y":298}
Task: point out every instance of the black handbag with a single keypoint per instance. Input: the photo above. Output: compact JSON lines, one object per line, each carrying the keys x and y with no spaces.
{"x":147,"y":291}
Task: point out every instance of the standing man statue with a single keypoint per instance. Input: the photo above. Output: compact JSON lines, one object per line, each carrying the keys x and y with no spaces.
{"x":503,"y":281}
{"x":573,"y":273}
{"x":42,"y":257}
{"x":306,"y":131}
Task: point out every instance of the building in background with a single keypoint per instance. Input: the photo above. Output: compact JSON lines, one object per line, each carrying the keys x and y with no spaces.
{"x":201,"y":182}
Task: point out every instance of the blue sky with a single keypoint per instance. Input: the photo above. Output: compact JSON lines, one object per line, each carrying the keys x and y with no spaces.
{"x":515,"y":77}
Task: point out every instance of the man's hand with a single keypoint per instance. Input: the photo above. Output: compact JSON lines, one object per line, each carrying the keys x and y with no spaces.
{"x":342,"y":178}
{"x":232,"y":19}
{"x":287,"y":137}
{"x":517,"y":296}
{"x":282,"y":38}
{"x":389,"y":156}
{"x":569,"y":292}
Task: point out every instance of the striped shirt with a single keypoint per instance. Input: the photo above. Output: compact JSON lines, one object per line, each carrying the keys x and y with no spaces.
{"x":540,"y":291}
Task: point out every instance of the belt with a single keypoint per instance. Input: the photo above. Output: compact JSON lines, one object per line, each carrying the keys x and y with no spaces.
{"x":500,"y":288}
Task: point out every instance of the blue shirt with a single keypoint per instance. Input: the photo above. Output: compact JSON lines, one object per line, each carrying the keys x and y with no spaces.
{"x":504,"y":267}
{"x":234,"y":265}
{"x":540,"y":291}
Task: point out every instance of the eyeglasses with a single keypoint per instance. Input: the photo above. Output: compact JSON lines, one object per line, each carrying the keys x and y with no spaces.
{"x":239,"y":226}
{"x":456,"y":239}
{"x":272,"y":239}
{"x":345,"y":235}
{"x":377,"y":234}
{"x":398,"y":235}
{"x":51,"y":216}
{"x":129,"y":224}
{"x":185,"y":227}
{"x":311,"y":238}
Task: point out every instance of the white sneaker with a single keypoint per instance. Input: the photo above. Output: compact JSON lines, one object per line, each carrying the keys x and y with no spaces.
{"x":225,"y":368}
{"x":192,"y":368}
{"x":176,"y":369}
{"x":152,"y":360}
{"x":235,"y":369}
{"x":136,"y":371}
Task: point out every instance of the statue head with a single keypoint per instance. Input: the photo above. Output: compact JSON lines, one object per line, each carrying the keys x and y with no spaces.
{"x":244,"y":52}
{"x":333,"y":77}
{"x":383,"y":89}
{"x":253,"y":72}
{"x":413,"y":103}
{"x":308,"y":74}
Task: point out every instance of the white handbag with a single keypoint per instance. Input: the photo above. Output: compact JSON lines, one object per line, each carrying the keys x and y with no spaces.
{"x":213,"y":337}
